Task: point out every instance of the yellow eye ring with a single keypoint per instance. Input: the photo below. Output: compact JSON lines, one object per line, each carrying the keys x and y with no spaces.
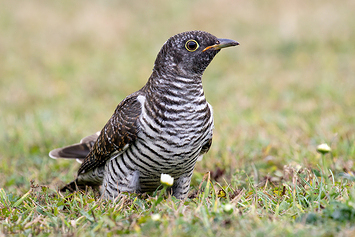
{"x":191,"y":45}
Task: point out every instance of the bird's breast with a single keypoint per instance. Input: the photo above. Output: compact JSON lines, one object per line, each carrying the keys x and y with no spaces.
{"x":175,"y":130}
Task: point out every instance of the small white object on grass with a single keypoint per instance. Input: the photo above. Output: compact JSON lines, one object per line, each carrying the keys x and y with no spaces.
{"x":155,"y":217}
{"x":323,"y":148}
{"x":228,"y":208}
{"x":166,"y":179}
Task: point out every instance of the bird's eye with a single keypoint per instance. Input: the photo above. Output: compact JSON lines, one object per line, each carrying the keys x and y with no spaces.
{"x":191,"y":45}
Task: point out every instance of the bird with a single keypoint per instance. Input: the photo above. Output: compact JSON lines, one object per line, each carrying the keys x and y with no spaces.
{"x":163,"y":128}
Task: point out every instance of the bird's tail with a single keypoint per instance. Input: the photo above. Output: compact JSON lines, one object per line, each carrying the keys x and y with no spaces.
{"x":71,"y":187}
{"x":74,"y":186}
{"x":76,"y":151}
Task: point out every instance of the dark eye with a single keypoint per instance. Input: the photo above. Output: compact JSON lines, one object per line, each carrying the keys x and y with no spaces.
{"x":191,"y":45}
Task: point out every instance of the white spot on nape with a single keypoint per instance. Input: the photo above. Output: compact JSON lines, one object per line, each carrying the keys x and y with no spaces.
{"x":141,"y":99}
{"x":79,"y":161}
{"x":98,"y":133}
{"x":200,"y":157}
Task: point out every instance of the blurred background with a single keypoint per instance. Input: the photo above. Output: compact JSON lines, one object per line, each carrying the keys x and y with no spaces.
{"x":289,"y":86}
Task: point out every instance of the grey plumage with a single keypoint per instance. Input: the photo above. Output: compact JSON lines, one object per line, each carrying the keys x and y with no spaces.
{"x":76,"y":151}
{"x":162,"y":128}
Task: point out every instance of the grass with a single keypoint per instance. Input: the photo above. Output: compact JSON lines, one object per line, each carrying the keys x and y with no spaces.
{"x":288,"y":87}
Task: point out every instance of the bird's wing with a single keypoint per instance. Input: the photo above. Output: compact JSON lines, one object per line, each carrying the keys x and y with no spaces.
{"x":205,"y":148}
{"x":91,"y":139}
{"x":119,"y":132}
{"x":76,"y":151}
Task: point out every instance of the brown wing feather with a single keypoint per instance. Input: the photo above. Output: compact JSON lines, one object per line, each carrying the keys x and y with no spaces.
{"x":206,"y":147}
{"x":90,"y":139}
{"x":120,"y":130}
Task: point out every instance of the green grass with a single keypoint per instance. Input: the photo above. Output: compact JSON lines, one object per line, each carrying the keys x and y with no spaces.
{"x":288,"y":87}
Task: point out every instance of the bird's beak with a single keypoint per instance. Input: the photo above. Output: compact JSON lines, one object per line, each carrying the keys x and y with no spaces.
{"x":222,"y":43}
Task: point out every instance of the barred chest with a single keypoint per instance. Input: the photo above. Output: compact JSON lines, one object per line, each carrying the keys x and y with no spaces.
{"x":176,"y":133}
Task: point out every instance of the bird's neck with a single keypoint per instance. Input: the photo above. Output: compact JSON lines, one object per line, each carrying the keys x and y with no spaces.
{"x":171,"y":83}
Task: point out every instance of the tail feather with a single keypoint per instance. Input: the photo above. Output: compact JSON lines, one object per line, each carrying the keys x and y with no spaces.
{"x":79,"y":152}
{"x":73,"y":186}
{"x":76,"y":151}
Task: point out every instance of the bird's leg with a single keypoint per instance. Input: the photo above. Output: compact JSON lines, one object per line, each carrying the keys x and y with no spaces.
{"x":134,"y":184}
{"x":181,"y":186}
{"x":130,"y":184}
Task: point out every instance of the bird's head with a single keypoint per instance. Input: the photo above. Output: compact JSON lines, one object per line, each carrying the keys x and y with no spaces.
{"x":189,"y":53}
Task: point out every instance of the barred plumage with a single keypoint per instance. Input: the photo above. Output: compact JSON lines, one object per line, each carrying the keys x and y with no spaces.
{"x":162,"y":128}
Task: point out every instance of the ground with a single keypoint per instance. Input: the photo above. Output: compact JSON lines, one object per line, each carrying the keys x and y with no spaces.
{"x":287,"y":88}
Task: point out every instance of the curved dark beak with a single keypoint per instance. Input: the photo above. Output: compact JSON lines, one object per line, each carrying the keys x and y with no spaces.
{"x":222,"y":43}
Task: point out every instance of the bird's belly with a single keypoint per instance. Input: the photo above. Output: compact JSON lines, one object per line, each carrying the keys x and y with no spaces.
{"x":151,"y":158}
{"x":169,"y":146}
{"x":168,"y":155}
{"x":157,"y":157}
